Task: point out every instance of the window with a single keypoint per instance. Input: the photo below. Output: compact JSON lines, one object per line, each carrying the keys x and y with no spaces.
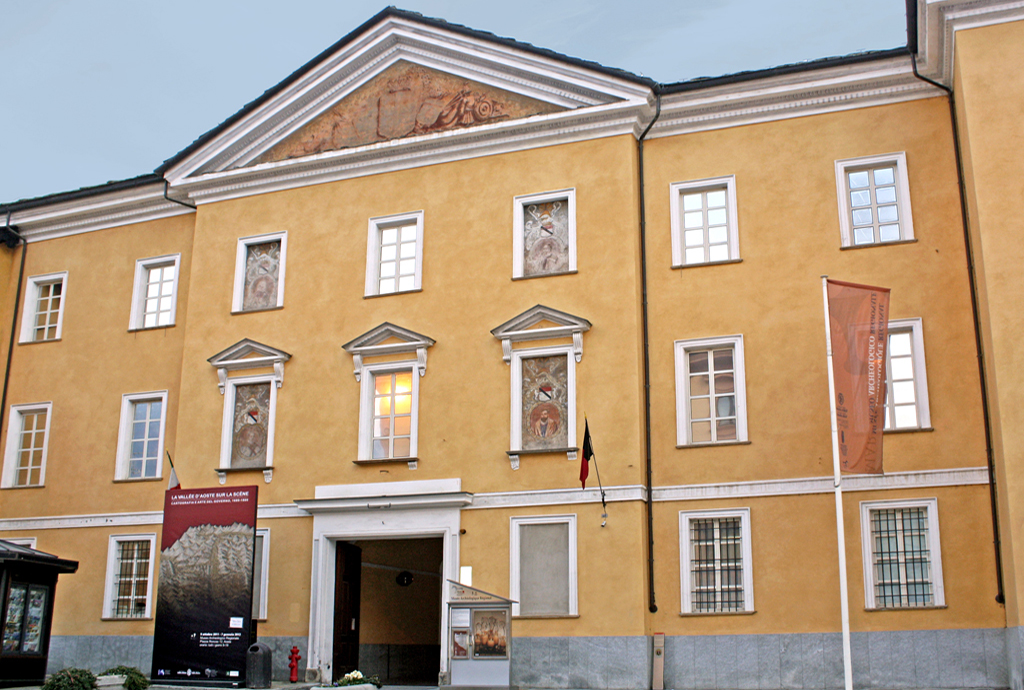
{"x":44,"y":307}
{"x":906,"y":397}
{"x":704,"y":228}
{"x":389,"y":413}
{"x":127,"y":593}
{"x":28,"y":435}
{"x":24,"y":619}
{"x":30,"y":542}
{"x":902,"y":560}
{"x":543,"y":566}
{"x":140,"y":441}
{"x":715,"y":562}
{"x":711,"y":404}
{"x":544,"y":399}
{"x":261,"y":564}
{"x":155,"y":298}
{"x":247,"y":440}
{"x":394,"y":254}
{"x":544,"y":234}
{"x":259,"y":272}
{"x":874,"y":200}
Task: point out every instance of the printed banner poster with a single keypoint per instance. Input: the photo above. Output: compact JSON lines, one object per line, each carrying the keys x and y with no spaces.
{"x":204,"y":598}
{"x":859,"y":322}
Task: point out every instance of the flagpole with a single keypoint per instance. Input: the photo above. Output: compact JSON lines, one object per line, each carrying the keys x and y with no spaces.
{"x":844,"y":603}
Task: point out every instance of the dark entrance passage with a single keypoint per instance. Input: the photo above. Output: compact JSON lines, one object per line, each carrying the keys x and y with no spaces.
{"x":400,"y":610}
{"x":347,"y":576}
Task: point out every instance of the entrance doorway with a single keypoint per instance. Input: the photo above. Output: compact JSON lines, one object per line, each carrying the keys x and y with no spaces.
{"x":387,"y":609}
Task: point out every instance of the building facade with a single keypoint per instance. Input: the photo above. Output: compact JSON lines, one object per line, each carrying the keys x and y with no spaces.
{"x":392,"y":292}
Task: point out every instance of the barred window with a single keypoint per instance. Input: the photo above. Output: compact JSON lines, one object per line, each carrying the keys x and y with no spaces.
{"x":716,"y":562}
{"x":129,"y":576}
{"x":902,"y":560}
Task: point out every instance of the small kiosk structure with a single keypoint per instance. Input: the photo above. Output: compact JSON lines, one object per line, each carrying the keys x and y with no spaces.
{"x":28,"y":579}
{"x":479,"y":636}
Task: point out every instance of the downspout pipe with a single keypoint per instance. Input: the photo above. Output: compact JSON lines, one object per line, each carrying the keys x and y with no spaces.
{"x":976,"y":313}
{"x":652,"y":606}
{"x":11,"y":232}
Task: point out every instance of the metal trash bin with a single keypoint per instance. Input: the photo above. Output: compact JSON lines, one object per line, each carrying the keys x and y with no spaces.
{"x":258,"y":667}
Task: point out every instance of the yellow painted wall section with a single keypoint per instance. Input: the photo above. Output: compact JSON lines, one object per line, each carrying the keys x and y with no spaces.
{"x":796,"y":566}
{"x":288,"y":576}
{"x":97,"y":361}
{"x":610,"y":560}
{"x":467,"y":291}
{"x":788,"y":237}
{"x":10,"y":264}
{"x":990,"y":97}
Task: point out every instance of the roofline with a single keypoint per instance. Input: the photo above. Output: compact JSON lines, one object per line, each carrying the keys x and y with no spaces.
{"x":794,"y":68}
{"x":83,"y":193}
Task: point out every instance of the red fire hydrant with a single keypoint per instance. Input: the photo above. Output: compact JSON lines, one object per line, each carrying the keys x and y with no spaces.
{"x":293,"y":664}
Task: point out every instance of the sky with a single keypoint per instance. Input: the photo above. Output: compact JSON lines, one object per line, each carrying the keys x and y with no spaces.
{"x":99,"y":90}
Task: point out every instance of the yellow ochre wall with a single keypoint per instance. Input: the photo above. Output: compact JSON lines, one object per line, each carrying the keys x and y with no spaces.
{"x":989,"y":96}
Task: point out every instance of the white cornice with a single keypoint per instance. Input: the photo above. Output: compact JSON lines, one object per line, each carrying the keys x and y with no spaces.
{"x":413,"y":152}
{"x":939,"y":20}
{"x":800,"y":94}
{"x":124,"y":207}
{"x":152,"y":517}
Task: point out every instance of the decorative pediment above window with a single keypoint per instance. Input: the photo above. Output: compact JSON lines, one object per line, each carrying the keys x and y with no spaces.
{"x":388,"y":339}
{"x":541,"y":323}
{"x":249,"y":354}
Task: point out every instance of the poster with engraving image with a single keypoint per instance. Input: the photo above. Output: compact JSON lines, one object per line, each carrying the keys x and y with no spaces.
{"x":204,"y":596}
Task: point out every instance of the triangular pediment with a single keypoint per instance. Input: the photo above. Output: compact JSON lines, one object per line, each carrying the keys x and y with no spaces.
{"x":405,"y":100}
{"x":248,"y":354}
{"x":401,"y":76}
{"x":541,"y":322}
{"x":387,"y":338}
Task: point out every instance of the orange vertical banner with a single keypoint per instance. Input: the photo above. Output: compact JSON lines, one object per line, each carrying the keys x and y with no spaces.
{"x":859,"y":324}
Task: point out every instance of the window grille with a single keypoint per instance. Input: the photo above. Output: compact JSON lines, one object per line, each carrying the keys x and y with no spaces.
{"x":901,"y":558}
{"x":716,"y":565}
{"x":131,"y":580}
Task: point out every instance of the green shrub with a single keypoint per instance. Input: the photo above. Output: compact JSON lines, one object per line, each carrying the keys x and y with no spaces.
{"x":71,"y":679}
{"x":133,"y":678}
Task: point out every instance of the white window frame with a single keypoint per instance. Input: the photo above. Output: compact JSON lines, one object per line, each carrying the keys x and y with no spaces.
{"x":374,"y":227}
{"x":30,"y":542}
{"x":915,"y":327}
{"x":264,"y":583}
{"x":685,"y":582}
{"x":366,"y":394}
{"x":28,"y":318}
{"x":227,"y":424}
{"x":682,"y":347}
{"x":934,"y":550}
{"x":519,"y":205}
{"x":137,"y":319}
{"x":516,"y":439}
{"x":13,"y":447}
{"x":240,"y":255}
{"x":113,"y":552}
{"x":514,"y":553}
{"x":906,"y":221}
{"x":124,"y":434}
{"x":676,"y":190}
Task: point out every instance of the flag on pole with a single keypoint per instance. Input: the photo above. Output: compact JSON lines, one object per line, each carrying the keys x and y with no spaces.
{"x":859,"y":325}
{"x":173,"y":482}
{"x":588,"y":452}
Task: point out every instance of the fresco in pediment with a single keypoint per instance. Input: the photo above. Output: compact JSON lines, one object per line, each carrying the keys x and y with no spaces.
{"x":405,"y":100}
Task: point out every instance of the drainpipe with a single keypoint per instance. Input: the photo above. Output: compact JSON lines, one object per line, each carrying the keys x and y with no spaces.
{"x":10,"y":234}
{"x":652,"y":606}
{"x":976,"y":312}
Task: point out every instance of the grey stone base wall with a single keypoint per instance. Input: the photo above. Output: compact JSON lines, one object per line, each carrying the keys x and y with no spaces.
{"x":100,"y":652}
{"x":620,"y":663}
{"x":1015,"y":657}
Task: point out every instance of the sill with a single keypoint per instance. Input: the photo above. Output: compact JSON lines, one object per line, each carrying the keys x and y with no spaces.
{"x":151,"y":328}
{"x":541,"y":451}
{"x":244,"y":469}
{"x":876,"y":244}
{"x":256,"y":311}
{"x":907,"y":608}
{"x":389,"y":294}
{"x":701,"y":614}
{"x":121,"y":620}
{"x":31,"y":486}
{"x":712,"y":445}
{"x":708,"y":263}
{"x":385,"y":461}
{"x":543,"y":616}
{"x":39,"y":342}
{"x":137,"y":480}
{"x":547,"y":275}
{"x":908,"y":430}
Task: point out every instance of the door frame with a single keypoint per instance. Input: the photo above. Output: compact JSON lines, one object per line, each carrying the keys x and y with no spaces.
{"x":388,"y":510}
